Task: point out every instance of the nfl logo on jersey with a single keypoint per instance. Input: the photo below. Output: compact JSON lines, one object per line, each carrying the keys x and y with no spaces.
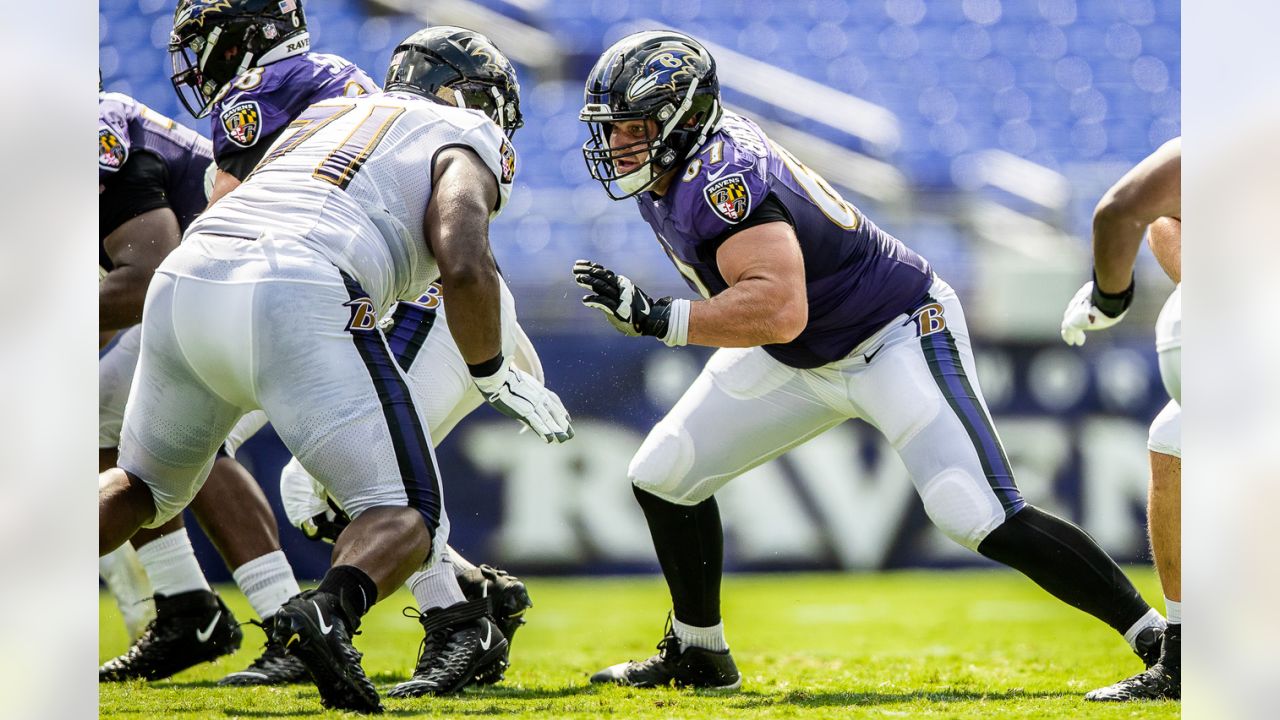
{"x":242,"y":121}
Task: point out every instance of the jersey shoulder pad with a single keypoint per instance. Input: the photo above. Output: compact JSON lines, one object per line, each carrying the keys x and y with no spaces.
{"x":720,"y":186}
{"x":477,"y":131}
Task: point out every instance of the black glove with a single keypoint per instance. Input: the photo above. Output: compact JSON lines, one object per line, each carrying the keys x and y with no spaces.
{"x":326,"y":526}
{"x":625,"y":306}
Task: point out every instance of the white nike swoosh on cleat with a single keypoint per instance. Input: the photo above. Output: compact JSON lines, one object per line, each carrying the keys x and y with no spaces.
{"x":488,"y":638}
{"x":324,"y":627}
{"x":205,"y":634}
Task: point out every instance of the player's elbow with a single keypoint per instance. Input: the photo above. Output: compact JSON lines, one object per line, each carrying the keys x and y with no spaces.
{"x":790,"y":317}
{"x":468,"y":271}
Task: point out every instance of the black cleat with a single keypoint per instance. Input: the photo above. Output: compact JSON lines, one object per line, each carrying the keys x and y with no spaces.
{"x":1161,"y":680}
{"x":1147,"y":645}
{"x":508,"y":599}
{"x":693,"y":667}
{"x":312,"y":628}
{"x":273,"y":667}
{"x":189,"y":628}
{"x":1154,"y":683}
{"x":460,"y":640}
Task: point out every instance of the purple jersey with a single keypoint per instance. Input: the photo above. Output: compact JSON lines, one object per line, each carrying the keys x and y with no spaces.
{"x":262,"y":101}
{"x":858,"y":276}
{"x":127,"y":127}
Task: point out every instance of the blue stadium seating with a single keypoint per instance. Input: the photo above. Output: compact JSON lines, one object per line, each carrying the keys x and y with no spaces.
{"x":1062,"y":82}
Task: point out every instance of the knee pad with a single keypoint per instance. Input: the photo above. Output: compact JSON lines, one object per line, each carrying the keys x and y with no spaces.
{"x":661,"y":465}
{"x":1165,"y":436}
{"x":958,"y":506}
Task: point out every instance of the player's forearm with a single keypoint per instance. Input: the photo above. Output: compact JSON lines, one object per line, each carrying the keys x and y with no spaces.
{"x":751,"y":313}
{"x":1117,"y":235}
{"x":121,"y":295}
{"x":475,"y":310}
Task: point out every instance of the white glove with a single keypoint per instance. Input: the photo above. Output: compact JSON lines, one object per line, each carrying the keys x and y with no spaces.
{"x":1082,"y":315}
{"x":519,"y":395}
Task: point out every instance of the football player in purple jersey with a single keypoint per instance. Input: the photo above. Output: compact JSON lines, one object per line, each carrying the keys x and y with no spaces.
{"x":821,"y":317}
{"x":151,"y":172}
{"x":248,"y":65}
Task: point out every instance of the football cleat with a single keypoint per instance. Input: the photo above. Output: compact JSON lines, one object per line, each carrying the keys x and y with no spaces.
{"x":189,"y":628}
{"x":311,"y":627}
{"x":508,"y":599}
{"x":273,"y":667}
{"x":1162,"y":680}
{"x":691,"y":667}
{"x":460,"y":640}
{"x":1154,"y":683}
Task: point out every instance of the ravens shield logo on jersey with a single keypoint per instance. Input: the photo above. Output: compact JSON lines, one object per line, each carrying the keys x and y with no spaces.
{"x":111,"y":150}
{"x":730,"y":197}
{"x":242,"y":122}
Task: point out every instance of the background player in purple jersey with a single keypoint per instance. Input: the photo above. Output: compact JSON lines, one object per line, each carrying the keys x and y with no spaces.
{"x":821,"y":317}
{"x":247,"y":64}
{"x":151,"y":171}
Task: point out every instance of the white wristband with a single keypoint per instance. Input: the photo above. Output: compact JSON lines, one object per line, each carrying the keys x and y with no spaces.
{"x":677,"y":324}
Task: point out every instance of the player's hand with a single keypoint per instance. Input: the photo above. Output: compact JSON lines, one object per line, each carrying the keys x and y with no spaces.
{"x":326,"y":526}
{"x":519,"y":395}
{"x":1083,"y":314}
{"x":625,"y":306}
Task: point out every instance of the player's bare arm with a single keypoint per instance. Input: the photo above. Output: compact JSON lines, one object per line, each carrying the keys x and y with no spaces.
{"x":766,"y":301}
{"x":136,"y":248}
{"x":1152,"y":189}
{"x":223,"y":183}
{"x":457,"y":227}
{"x":1164,"y":237}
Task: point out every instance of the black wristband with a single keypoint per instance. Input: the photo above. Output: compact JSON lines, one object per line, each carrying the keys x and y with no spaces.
{"x":659,"y":317}
{"x":486,"y":368}
{"x":1112,"y":304}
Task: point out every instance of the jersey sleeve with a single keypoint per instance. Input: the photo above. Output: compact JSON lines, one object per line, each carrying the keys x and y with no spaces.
{"x":493,"y":147}
{"x":721,"y":188}
{"x":262,"y":101}
{"x":113,"y":138}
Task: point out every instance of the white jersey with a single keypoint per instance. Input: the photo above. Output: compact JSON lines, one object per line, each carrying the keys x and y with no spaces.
{"x":351,"y":180}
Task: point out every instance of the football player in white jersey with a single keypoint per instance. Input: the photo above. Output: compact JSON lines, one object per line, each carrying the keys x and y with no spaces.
{"x":1150,"y":194}
{"x":418,"y":334}
{"x":271,"y":303}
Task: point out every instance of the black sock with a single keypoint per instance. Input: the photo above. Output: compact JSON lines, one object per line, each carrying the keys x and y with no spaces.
{"x":1064,"y":560}
{"x":355,"y":590}
{"x":690,"y":547}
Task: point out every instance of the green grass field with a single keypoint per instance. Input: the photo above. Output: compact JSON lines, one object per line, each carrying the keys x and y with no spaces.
{"x":963,"y":644}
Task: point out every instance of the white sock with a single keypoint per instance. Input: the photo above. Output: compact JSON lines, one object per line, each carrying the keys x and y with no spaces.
{"x":171,"y":564}
{"x":436,"y":587}
{"x":129,"y":585}
{"x":1173,"y":608}
{"x":1151,"y":619}
{"x":267,"y":582}
{"x":710,"y":638}
{"x":460,"y":564}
